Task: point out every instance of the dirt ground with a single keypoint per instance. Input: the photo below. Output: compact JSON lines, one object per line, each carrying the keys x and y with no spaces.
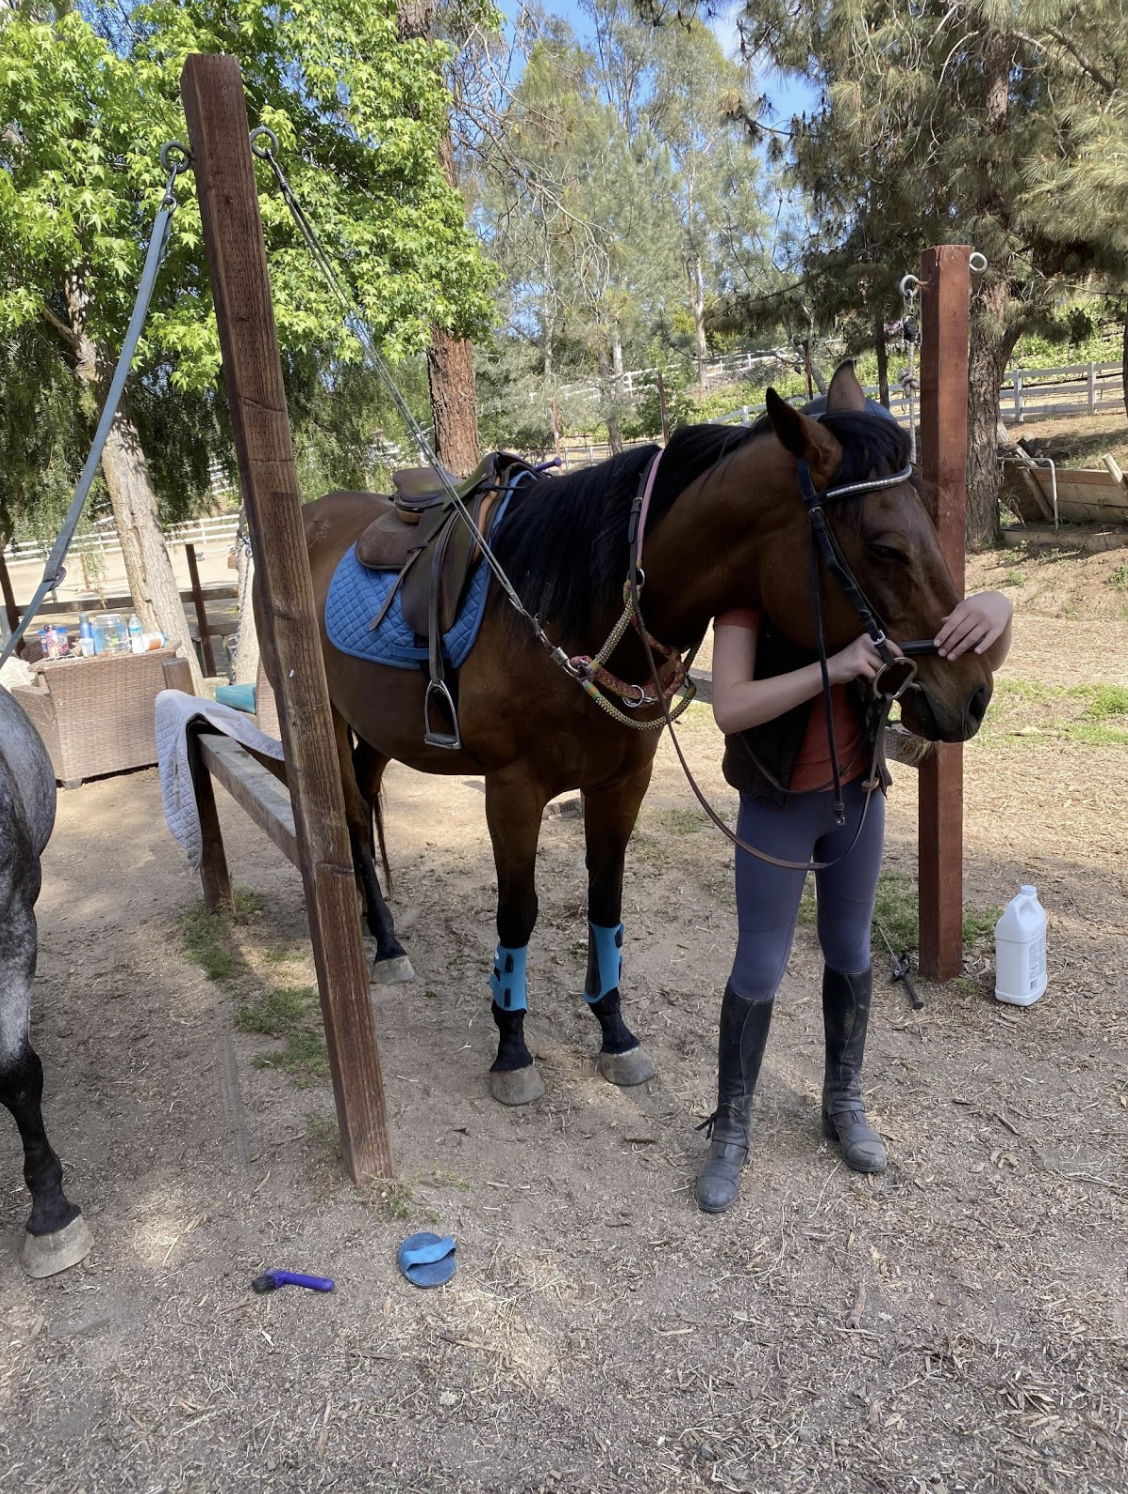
{"x":959,"y":1324}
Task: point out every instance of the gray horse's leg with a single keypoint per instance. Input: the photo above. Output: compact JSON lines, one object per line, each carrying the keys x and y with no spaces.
{"x":57,"y":1236}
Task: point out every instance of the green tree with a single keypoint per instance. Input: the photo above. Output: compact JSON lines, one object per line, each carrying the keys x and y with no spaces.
{"x":938,"y":123}
{"x":87,"y":102}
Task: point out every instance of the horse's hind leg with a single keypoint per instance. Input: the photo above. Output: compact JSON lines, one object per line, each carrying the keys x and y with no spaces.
{"x":514,"y":805}
{"x":609,"y":818}
{"x":57,"y":1236}
{"x":361,"y":771}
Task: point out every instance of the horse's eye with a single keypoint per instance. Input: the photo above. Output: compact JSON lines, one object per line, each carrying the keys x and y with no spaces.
{"x":886,"y":552}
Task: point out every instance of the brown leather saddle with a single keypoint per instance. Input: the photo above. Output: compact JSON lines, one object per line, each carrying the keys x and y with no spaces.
{"x":421,"y":535}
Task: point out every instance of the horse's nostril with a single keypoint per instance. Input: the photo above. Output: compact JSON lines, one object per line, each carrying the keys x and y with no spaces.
{"x":977,"y":703}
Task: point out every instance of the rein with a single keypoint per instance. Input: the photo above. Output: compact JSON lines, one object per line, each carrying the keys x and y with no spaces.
{"x":899,"y":667}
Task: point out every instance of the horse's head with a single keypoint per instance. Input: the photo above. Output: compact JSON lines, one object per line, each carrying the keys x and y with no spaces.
{"x":889,"y":542}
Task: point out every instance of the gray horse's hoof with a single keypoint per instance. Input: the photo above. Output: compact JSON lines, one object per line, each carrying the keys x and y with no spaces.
{"x":47,"y":1255}
{"x":625,"y":1069}
{"x":392,"y":972}
{"x":516,"y":1086}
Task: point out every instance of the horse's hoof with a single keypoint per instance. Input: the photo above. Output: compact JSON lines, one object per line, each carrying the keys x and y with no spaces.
{"x":516,"y":1086}
{"x":47,"y":1255}
{"x":392,"y":972}
{"x":625,"y":1069}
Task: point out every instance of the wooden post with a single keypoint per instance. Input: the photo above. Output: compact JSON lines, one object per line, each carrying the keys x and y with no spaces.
{"x":201,"y":611}
{"x":945,"y":290}
{"x":218,"y":131}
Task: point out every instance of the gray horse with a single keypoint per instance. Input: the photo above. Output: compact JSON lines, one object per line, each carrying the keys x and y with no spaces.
{"x":57,"y":1236}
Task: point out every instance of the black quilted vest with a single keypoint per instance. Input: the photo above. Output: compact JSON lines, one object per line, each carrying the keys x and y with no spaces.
{"x":755,"y":757}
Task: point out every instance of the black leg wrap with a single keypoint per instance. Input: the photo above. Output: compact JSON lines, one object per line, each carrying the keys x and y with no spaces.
{"x":846,"y":1007}
{"x":744,"y":1036}
{"x":511,"y":1050}
{"x":617,"y":1036}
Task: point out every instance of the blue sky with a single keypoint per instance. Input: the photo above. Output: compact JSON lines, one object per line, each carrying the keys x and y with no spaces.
{"x":788,"y":94}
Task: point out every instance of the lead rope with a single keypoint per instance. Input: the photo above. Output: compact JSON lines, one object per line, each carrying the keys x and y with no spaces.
{"x":175,"y":159}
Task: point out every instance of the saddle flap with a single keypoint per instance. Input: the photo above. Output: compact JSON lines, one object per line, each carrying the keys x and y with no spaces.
{"x":447,"y":567}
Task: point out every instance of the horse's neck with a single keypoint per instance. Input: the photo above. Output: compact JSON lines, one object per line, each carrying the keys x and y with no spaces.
{"x":706,"y":554}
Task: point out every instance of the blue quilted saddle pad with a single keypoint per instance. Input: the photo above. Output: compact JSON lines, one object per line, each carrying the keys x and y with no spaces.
{"x":357,"y":594}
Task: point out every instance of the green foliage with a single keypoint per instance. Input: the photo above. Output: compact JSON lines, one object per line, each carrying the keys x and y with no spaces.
{"x":88,"y":99}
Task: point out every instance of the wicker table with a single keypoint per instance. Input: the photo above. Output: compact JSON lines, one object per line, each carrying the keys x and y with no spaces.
{"x":96,"y":715}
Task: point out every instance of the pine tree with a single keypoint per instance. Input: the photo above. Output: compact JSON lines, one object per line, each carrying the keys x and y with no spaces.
{"x":941,"y":123}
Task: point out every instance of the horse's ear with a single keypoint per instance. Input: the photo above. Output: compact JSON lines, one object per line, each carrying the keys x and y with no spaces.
{"x":804,"y":437}
{"x":845,"y":392}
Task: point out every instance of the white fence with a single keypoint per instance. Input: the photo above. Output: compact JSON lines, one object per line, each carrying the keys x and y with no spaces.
{"x":209,"y":536}
{"x":1025,"y":394}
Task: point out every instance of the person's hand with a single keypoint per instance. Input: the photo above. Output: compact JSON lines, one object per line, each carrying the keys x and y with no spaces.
{"x":976,"y":623}
{"x":858,"y":661}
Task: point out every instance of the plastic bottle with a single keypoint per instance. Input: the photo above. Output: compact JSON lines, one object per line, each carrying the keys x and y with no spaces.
{"x":136,"y":635}
{"x":85,"y":635}
{"x":1020,"y":950}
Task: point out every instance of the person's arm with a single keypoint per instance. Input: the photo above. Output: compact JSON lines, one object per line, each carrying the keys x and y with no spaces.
{"x":740,"y":702}
{"x":981,"y":622}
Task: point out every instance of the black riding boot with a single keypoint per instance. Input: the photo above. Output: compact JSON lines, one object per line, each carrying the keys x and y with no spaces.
{"x":744,"y":1034}
{"x":846,"y":1005}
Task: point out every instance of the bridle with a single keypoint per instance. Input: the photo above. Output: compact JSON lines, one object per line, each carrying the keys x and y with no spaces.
{"x":898,"y":672}
{"x":896,"y":676}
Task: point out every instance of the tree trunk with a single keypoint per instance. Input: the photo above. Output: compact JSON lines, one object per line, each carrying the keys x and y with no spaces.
{"x":247,"y":653}
{"x":990,"y":342}
{"x":152,"y":583}
{"x":611,"y":398}
{"x":882,"y":350}
{"x":454,"y":407}
{"x":697,"y":288}
{"x":991,"y":346}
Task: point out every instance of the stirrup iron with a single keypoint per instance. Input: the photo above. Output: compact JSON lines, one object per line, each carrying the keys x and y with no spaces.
{"x":451,"y":740}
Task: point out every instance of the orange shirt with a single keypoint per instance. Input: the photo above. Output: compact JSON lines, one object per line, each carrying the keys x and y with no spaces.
{"x":812,"y":766}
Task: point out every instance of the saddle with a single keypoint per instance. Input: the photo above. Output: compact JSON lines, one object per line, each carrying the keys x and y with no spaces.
{"x":421,"y":535}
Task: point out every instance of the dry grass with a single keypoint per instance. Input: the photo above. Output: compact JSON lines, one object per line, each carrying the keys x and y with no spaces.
{"x":959,"y":1324}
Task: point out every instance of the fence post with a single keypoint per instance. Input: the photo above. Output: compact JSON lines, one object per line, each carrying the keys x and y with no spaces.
{"x":744,"y":415}
{"x":1017,"y":397}
{"x":945,"y":295}
{"x":218,"y":133}
{"x":1092,"y":388}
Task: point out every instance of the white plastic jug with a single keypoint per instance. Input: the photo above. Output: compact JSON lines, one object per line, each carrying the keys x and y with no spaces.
{"x":1020,"y":950}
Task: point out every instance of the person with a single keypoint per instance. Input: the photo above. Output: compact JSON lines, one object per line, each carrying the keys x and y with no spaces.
{"x":768,"y":701}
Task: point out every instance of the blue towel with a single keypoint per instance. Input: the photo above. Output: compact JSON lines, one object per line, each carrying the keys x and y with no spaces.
{"x":356,"y":596}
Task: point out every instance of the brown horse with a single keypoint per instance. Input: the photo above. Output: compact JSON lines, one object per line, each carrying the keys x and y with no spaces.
{"x":726,"y":529}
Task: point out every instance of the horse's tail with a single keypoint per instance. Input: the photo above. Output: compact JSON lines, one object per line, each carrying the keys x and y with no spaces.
{"x":362,"y":772}
{"x":378,"y":822}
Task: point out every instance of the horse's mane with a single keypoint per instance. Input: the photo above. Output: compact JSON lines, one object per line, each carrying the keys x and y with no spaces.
{"x":564,"y":544}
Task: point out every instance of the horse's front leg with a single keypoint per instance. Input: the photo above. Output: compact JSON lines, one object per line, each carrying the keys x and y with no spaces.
{"x":609,"y":818}
{"x":514,"y":805}
{"x":57,"y":1236}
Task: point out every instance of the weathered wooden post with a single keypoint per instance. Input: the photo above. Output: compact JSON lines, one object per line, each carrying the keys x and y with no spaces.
{"x":218,"y":131}
{"x":207,"y":654}
{"x":945,"y":290}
